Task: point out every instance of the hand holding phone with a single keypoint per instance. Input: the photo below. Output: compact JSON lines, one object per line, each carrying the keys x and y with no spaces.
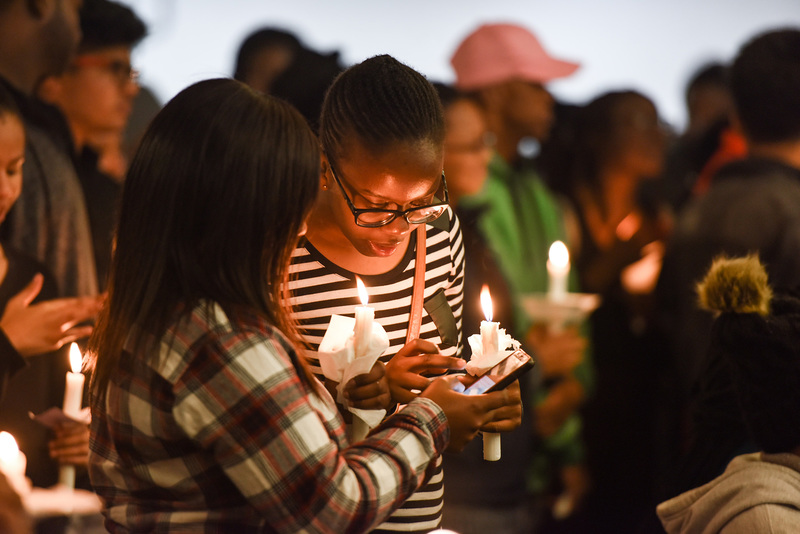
{"x":498,"y":377}
{"x":502,"y":374}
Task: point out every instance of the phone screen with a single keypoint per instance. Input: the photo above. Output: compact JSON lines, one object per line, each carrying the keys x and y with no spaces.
{"x":502,"y":374}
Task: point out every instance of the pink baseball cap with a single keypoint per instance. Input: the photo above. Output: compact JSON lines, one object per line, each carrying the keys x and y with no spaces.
{"x":496,"y":53}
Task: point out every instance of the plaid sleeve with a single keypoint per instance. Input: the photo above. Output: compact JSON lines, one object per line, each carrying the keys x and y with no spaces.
{"x":242,"y":399}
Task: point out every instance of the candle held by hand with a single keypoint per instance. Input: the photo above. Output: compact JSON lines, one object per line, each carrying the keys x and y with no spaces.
{"x":362,"y":336}
{"x":365,"y":316}
{"x":490,"y":340}
{"x":73,"y":401}
{"x":73,"y":394}
{"x":558,"y":271}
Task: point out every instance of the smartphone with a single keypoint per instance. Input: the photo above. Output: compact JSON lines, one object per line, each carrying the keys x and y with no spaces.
{"x":502,"y":374}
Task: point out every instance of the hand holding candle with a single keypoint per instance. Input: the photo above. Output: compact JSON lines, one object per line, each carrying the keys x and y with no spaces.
{"x":558,"y":307}
{"x":362,"y":337}
{"x":489,"y":349}
{"x":350,"y":348}
{"x":73,"y":401}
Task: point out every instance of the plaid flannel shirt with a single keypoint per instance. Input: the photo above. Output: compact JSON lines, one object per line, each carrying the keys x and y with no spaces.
{"x":218,"y":433}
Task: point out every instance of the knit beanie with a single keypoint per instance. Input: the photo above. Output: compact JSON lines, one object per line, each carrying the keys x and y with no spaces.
{"x":758,"y":334}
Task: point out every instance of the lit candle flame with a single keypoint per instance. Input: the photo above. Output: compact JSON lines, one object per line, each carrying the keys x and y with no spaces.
{"x":8,"y":447}
{"x":362,"y":291}
{"x":75,"y":358}
{"x":486,"y":303}
{"x":559,"y":255}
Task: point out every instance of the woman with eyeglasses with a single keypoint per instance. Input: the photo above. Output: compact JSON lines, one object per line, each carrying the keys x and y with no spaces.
{"x":382,"y":132}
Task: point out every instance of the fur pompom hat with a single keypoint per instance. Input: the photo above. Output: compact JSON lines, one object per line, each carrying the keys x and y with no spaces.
{"x":759,"y":335}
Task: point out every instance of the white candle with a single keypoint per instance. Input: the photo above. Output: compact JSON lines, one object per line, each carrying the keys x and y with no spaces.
{"x":491,"y":446}
{"x":491,"y":345}
{"x":13,"y":463}
{"x":73,"y":394}
{"x":490,"y":340}
{"x":558,"y":271}
{"x":362,"y":336}
{"x":365,"y":315}
{"x":73,"y":401}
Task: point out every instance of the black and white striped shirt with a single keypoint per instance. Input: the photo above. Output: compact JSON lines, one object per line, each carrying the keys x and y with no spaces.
{"x":320,"y":289}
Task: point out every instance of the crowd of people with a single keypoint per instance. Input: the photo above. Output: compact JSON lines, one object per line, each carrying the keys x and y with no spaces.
{"x":197,"y":252}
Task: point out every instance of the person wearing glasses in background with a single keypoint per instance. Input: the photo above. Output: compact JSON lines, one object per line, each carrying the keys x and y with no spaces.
{"x":49,"y":220}
{"x":382,"y":132}
{"x":507,"y":69}
{"x":96,"y":96}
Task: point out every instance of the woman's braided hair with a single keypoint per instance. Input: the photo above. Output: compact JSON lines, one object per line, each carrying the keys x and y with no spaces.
{"x":381,"y":103}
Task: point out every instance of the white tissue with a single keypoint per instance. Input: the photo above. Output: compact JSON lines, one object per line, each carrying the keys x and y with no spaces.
{"x":338,"y":361}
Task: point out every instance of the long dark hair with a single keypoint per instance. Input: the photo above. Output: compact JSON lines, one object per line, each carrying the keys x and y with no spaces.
{"x":211,"y":209}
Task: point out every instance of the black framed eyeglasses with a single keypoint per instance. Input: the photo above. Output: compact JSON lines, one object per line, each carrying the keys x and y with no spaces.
{"x":377,"y":217}
{"x":120,"y":70}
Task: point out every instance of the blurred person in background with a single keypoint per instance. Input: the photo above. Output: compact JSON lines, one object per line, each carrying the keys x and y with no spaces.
{"x":502,"y":505}
{"x":96,"y":94}
{"x":599,"y":159}
{"x":33,"y":326}
{"x":716,"y":139}
{"x":263,"y":55}
{"x":506,"y":68}
{"x":751,"y":206}
{"x":756,"y":333}
{"x":274,"y":61}
{"x":49,"y":220}
{"x":708,"y":141}
{"x":606,"y":151}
